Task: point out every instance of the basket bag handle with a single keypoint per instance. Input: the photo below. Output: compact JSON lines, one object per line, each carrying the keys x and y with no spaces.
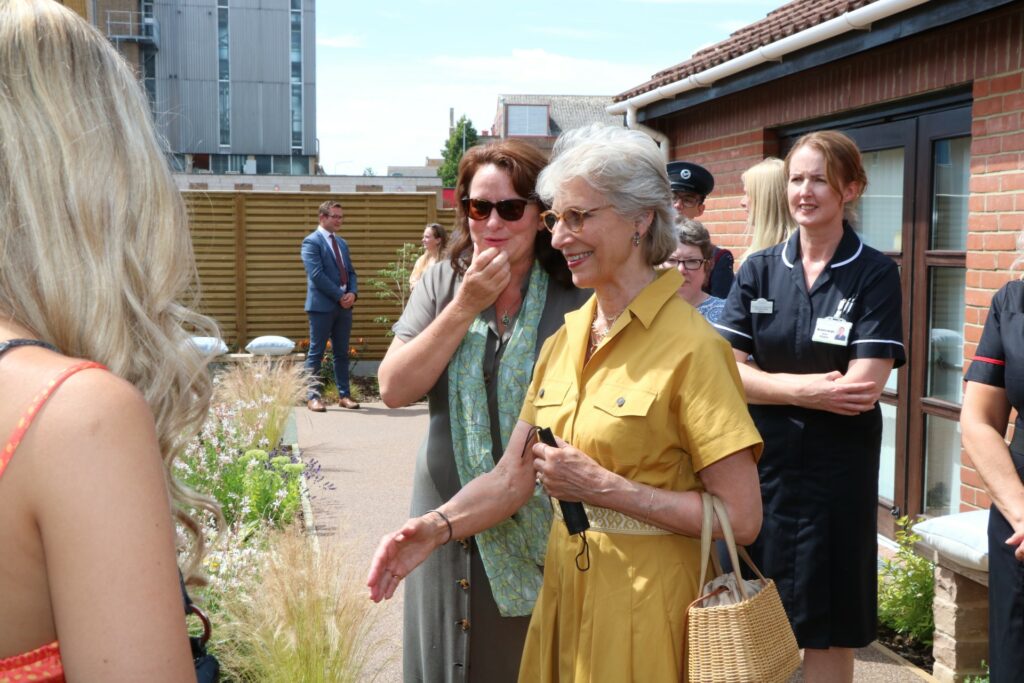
{"x":714,"y":506}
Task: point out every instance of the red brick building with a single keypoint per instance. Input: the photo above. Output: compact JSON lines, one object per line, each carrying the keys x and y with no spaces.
{"x":933,"y":93}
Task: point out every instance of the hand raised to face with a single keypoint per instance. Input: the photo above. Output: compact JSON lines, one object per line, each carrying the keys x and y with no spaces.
{"x":487,"y":276}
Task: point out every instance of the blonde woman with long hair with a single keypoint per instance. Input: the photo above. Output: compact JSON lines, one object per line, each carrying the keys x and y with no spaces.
{"x":99,"y":382}
{"x":764,"y":199}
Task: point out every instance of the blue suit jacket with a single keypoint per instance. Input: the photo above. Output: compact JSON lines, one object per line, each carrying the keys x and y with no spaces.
{"x":323,"y":281}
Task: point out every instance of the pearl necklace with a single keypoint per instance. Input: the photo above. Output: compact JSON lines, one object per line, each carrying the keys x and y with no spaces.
{"x":597,"y":335}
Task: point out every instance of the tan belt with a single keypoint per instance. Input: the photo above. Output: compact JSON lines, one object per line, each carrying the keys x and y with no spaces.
{"x":613,"y":522}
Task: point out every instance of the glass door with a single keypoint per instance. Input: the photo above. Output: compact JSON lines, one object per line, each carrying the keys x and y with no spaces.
{"x":940,"y":262}
{"x":884,"y":220}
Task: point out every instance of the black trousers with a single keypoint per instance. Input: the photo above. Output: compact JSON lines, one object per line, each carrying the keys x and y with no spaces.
{"x":1005,"y":598}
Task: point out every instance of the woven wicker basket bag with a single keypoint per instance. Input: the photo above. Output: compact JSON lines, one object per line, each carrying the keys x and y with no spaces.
{"x":737,"y":630}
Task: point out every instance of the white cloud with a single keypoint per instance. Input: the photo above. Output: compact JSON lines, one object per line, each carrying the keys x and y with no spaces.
{"x":343,"y":41}
{"x":378,"y":114}
{"x":568,"y":32}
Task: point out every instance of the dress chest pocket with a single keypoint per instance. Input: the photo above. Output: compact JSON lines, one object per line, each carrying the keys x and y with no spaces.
{"x":619,"y":421}
{"x":550,"y":401}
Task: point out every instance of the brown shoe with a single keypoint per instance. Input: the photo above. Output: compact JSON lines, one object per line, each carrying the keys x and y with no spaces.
{"x":316,"y":405}
{"x":346,"y":402}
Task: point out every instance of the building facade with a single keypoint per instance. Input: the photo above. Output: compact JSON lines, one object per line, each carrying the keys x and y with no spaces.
{"x":933,"y":93}
{"x":232,"y":83}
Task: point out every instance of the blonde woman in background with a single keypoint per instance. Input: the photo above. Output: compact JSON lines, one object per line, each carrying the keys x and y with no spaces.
{"x":769,"y":221}
{"x":92,"y":266}
{"x":435,"y":241}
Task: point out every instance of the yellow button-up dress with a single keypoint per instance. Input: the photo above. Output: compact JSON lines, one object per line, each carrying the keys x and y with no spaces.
{"x":659,"y":400}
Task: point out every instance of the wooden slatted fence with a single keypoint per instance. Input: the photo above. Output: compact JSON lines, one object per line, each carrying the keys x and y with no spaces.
{"x":250,"y":272}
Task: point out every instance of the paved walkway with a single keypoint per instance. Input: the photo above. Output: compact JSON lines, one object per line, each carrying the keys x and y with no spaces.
{"x":369,"y":455}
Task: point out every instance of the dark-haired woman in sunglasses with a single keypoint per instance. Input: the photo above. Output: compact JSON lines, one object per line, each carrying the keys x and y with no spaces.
{"x":468,"y":340}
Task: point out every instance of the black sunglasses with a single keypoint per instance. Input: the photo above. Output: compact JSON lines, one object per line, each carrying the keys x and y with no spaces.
{"x":508,"y":209}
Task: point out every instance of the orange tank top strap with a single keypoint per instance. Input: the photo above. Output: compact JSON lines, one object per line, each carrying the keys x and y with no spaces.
{"x":42,"y":665}
{"x":33,"y":409}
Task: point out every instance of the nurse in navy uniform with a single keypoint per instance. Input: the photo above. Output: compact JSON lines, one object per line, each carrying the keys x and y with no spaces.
{"x":995,"y":384}
{"x":815,"y":324}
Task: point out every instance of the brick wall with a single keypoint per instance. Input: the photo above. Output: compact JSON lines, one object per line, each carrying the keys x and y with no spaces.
{"x":732,"y":133}
{"x":996,"y":212}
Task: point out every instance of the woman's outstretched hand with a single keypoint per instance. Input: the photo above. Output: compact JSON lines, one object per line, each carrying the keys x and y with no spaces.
{"x":400,"y":552}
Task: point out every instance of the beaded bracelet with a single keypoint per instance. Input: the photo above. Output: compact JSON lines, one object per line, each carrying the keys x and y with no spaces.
{"x":446,"y":521}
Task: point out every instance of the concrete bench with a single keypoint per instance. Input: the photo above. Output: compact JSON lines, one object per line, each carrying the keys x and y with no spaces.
{"x":958,"y":547}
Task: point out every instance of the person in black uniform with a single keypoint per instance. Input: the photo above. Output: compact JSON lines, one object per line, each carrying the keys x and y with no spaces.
{"x":815,"y":325}
{"x":995,"y":383}
{"x":691,"y":184}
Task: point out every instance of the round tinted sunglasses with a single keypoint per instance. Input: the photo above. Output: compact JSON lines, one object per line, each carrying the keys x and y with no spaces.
{"x":508,"y":209}
{"x":573,"y":218}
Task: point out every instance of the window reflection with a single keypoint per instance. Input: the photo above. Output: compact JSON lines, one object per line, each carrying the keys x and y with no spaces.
{"x":945,"y":334}
{"x":880,"y":210}
{"x":952,"y":171}
{"x":887,"y":466}
{"x":941,"y":466}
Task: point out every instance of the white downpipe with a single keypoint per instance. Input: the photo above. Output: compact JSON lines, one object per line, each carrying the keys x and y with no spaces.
{"x":858,"y":19}
{"x":657,"y":135}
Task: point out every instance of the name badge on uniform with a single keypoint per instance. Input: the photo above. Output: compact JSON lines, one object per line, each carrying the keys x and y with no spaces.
{"x":762,"y":306}
{"x":835,"y":331}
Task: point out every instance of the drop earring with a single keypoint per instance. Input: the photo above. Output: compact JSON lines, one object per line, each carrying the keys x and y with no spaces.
{"x":636,"y":239}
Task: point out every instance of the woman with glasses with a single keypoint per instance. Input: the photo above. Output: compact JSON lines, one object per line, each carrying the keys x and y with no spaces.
{"x":693,"y":259}
{"x":815,"y":326}
{"x":435,"y":241}
{"x":624,"y":386}
{"x":468,"y":339}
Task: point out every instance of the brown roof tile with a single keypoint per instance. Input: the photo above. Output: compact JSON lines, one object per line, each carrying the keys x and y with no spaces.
{"x":784,"y":21}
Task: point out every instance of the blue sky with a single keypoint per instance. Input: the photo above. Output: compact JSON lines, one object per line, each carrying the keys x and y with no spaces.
{"x":388,"y":72}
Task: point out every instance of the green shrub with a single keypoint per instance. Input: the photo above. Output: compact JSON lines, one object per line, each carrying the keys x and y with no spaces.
{"x":906,"y":587}
{"x":250,"y":485}
{"x":979,"y":679}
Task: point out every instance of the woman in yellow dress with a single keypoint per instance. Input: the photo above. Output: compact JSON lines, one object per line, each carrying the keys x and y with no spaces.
{"x":648,"y":407}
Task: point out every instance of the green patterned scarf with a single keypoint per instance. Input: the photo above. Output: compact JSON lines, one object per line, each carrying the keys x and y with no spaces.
{"x":512,"y":550}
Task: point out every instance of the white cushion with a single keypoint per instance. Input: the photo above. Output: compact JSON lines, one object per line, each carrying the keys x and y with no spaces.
{"x":962,"y":537}
{"x":270,"y":345}
{"x":210,"y":346}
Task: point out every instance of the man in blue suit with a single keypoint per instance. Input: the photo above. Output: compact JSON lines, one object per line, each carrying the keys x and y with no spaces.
{"x":330,"y":294}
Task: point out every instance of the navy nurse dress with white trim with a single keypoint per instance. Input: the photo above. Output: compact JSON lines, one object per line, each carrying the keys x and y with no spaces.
{"x":819,"y":470}
{"x":999,"y":362}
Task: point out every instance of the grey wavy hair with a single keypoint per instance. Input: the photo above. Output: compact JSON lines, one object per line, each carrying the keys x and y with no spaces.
{"x":627,"y":168}
{"x":95,"y":252}
{"x":694,"y":234}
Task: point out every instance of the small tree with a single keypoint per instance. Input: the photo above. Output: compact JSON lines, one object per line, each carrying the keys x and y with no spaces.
{"x":462,"y":137}
{"x":392,"y":281}
{"x":368,"y":171}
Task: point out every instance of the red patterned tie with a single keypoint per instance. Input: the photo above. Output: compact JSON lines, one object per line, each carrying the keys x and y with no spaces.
{"x":341,"y":263}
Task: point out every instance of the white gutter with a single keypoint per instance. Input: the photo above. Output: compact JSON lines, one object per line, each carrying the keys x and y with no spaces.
{"x":858,"y":19}
{"x":657,"y":135}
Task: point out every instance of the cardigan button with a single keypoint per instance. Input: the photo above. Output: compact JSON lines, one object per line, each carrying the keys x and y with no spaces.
{"x":463,"y":584}
{"x":463,"y":624}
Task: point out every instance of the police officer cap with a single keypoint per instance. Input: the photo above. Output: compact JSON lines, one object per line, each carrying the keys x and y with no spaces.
{"x":685,"y":176}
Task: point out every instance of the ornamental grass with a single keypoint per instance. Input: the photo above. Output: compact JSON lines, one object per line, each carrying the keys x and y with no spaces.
{"x":296,"y":615}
